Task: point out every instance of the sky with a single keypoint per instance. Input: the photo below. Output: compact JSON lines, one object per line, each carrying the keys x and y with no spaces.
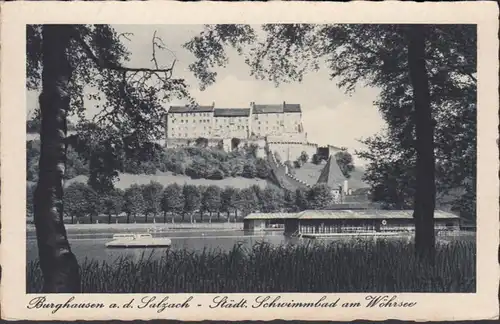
{"x":329,"y":115}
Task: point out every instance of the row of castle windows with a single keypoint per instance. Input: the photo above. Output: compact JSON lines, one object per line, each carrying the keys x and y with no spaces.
{"x":196,"y":114}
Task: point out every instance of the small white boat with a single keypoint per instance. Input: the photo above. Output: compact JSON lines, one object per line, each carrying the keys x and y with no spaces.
{"x":138,"y":241}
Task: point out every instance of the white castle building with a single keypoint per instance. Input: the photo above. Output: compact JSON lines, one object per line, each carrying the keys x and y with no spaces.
{"x":279,"y":126}
{"x":258,"y":121}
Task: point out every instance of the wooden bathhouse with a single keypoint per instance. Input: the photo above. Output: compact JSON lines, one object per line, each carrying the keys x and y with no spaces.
{"x":362,"y":221}
{"x":337,"y":221}
{"x":266,"y":221}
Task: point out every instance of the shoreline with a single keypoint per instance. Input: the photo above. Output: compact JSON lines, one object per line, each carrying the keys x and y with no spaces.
{"x":148,"y":226}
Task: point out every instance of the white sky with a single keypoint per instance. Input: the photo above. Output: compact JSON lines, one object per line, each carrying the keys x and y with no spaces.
{"x":329,"y":115}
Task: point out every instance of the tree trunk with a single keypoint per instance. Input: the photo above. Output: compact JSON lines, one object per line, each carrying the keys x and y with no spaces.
{"x":58,"y":264}
{"x":146,"y":218}
{"x":164,"y":217}
{"x":128,"y":218}
{"x":425,"y":195}
{"x":109,"y":218}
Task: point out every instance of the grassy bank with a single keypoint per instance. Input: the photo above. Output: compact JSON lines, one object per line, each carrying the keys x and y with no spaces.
{"x":362,"y":267}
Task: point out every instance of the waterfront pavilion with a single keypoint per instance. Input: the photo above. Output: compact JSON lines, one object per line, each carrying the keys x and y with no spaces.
{"x":333,"y":221}
{"x":266,"y":221}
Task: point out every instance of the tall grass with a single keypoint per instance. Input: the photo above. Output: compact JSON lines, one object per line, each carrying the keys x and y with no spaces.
{"x":380,"y":266}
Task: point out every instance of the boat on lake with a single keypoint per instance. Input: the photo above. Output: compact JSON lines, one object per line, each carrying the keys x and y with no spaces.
{"x":138,"y":241}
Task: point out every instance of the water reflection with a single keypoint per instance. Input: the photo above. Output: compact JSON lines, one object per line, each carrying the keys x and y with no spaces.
{"x":92,"y":246}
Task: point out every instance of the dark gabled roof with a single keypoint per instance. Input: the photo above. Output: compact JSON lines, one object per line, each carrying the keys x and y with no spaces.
{"x":190,"y":109}
{"x":291,"y":108}
{"x":331,"y":174}
{"x":267,"y":109}
{"x":276,"y":109}
{"x":232,"y":112}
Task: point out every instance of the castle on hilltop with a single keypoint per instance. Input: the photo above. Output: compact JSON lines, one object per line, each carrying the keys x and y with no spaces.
{"x":258,"y":121}
{"x":275,"y":126}
{"x":275,"y":129}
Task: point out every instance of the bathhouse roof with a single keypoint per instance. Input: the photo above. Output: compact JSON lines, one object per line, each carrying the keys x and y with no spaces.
{"x":367,"y":214}
{"x":271,"y":215}
{"x":232,"y":112}
{"x":190,"y":109}
{"x":331,"y":174}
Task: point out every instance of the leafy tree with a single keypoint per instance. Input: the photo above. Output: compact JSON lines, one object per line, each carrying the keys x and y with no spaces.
{"x":301,"y":199}
{"x":228,"y":200}
{"x":172,"y":201}
{"x":75,"y":165}
{"x":390,"y":174}
{"x":80,"y":200}
{"x":345,"y":162}
{"x":61,"y":61}
{"x":113,"y":202}
{"x":134,"y":203}
{"x":246,"y":201}
{"x":304,"y":157}
{"x":262,"y":168}
{"x":289,"y":201}
{"x":192,"y":200}
{"x":249,"y":170}
{"x":384,"y":56}
{"x":74,"y":200}
{"x":316,"y":159}
{"x":211,"y":200}
{"x":319,"y":196}
{"x":271,"y":200}
{"x":152,"y":193}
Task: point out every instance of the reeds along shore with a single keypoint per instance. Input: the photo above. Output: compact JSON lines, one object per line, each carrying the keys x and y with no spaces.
{"x":340,"y":267}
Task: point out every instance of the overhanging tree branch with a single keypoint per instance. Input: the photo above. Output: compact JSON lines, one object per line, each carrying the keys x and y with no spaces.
{"x":105,"y":64}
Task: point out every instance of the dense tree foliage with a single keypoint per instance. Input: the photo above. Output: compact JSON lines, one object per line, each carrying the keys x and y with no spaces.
{"x":345,"y":162}
{"x":81,"y":200}
{"x":112,"y":203}
{"x":152,"y":193}
{"x":134,"y":203}
{"x":172,"y":200}
{"x":192,"y":200}
{"x":211,"y":200}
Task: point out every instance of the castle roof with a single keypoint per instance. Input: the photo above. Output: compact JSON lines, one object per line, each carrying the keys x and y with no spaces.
{"x":331,"y":174}
{"x":190,"y":109}
{"x":275,"y":108}
{"x":232,"y":112}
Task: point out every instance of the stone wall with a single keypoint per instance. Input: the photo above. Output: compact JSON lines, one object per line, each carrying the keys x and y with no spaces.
{"x":292,"y":150}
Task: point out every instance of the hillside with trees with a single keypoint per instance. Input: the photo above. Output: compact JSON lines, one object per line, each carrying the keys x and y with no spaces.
{"x":211,"y":163}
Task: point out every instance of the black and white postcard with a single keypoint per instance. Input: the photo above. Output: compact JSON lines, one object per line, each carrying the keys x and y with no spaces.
{"x":249,"y":161}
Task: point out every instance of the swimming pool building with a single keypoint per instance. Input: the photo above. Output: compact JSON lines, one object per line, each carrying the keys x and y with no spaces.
{"x":346,"y":221}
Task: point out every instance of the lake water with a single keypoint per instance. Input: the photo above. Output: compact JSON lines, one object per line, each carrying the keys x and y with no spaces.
{"x":92,"y":245}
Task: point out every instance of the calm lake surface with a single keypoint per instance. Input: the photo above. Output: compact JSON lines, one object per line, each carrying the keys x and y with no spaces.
{"x":92,"y":245}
